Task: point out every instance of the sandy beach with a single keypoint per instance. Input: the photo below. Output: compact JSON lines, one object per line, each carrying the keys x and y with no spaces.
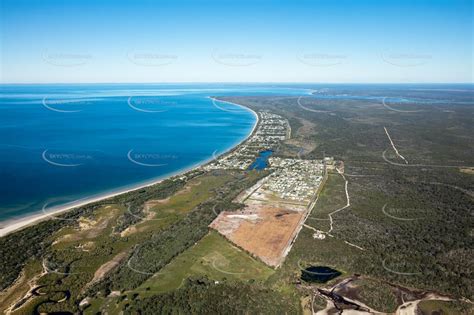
{"x":9,"y":226}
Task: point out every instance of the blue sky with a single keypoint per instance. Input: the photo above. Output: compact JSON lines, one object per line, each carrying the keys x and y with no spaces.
{"x":335,"y":41}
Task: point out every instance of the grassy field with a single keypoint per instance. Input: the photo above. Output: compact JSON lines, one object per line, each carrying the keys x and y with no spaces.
{"x":164,"y":212}
{"x":214,"y":257}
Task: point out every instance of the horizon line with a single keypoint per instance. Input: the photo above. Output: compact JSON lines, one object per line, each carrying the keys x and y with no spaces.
{"x":232,"y":82}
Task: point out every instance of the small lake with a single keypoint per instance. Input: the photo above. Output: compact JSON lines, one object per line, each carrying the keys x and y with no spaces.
{"x":261,"y":162}
{"x":319,"y":274}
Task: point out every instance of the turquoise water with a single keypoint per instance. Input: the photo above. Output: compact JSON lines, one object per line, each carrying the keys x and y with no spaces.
{"x":60,"y":143}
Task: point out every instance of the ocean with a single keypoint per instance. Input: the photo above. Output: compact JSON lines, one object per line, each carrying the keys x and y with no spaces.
{"x":60,"y":143}
{"x":63,"y":143}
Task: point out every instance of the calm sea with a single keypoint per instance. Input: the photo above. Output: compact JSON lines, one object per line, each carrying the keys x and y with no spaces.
{"x":60,"y":143}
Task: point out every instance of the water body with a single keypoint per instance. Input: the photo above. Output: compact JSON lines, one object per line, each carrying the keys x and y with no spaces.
{"x":261,"y":162}
{"x":319,"y":274}
{"x":60,"y":143}
{"x":420,"y":94}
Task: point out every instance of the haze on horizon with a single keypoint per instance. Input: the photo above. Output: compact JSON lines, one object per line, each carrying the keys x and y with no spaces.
{"x":393,"y":41}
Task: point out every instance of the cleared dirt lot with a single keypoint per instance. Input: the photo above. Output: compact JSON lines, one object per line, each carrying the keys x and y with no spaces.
{"x":263,"y":230}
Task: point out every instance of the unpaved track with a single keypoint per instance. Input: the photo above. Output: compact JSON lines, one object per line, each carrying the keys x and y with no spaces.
{"x":394,"y":147}
{"x":399,"y":110}
{"x":384,"y":153}
{"x":348,"y":203}
{"x":331,"y":221}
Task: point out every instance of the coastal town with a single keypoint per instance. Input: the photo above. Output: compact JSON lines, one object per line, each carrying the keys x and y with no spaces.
{"x":295,"y":179}
{"x":277,"y":205}
{"x":271,"y":129}
{"x":292,"y":180}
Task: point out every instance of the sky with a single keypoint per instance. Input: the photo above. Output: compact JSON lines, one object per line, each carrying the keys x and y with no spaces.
{"x":333,"y":41}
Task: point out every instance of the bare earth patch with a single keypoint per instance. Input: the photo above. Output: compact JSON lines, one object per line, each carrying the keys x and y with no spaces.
{"x":88,"y":229}
{"x":262,"y":230}
{"x":467,"y":170}
{"x":107,"y":267}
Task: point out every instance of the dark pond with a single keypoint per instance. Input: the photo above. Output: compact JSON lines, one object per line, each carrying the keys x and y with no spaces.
{"x":319,"y":274}
{"x":261,"y":161}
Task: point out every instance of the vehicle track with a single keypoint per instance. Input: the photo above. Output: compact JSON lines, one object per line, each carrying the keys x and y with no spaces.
{"x":394,"y":147}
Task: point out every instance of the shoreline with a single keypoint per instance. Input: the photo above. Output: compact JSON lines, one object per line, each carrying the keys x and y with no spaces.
{"x":12,"y":225}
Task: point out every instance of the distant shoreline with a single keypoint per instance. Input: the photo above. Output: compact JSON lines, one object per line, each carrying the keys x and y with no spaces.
{"x":13,"y":225}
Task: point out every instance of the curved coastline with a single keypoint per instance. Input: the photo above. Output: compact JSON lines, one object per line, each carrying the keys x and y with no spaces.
{"x":13,"y":225}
